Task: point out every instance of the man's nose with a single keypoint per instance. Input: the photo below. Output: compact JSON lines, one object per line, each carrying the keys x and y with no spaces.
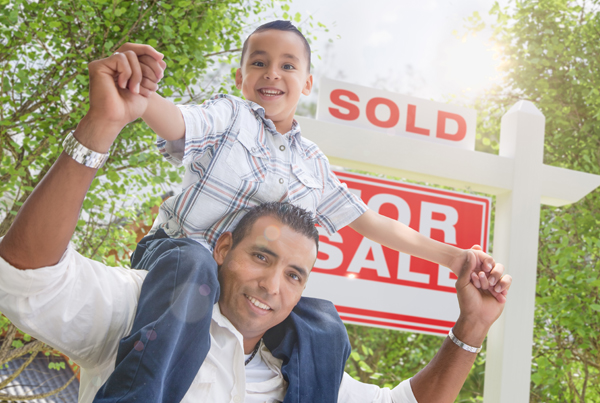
{"x":270,"y":282}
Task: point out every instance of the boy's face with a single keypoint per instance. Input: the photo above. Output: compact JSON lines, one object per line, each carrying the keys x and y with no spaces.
{"x":274,"y":73}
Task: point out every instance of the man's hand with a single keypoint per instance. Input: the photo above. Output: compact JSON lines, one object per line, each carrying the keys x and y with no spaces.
{"x":119,"y":89}
{"x":449,"y":369}
{"x":486,"y":274}
{"x":480,"y":305}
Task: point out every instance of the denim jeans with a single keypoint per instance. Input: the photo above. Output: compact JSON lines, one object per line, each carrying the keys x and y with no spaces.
{"x":173,"y":317}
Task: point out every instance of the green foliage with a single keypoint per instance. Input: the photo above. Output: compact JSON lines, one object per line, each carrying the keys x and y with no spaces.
{"x":44,"y":51}
{"x":386,"y":357}
{"x":550,"y":53}
{"x":45,"y":47}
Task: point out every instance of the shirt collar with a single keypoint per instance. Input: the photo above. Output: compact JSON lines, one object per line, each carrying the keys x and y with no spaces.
{"x":295,"y":133}
{"x":222,"y":321}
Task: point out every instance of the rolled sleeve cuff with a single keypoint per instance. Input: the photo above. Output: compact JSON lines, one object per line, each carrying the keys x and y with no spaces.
{"x":173,"y":151}
{"x":25,"y":283}
{"x":403,"y":393}
{"x":340,"y":209}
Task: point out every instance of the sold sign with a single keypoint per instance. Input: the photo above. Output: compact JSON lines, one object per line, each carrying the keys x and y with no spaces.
{"x":377,"y":286}
{"x":396,"y":114}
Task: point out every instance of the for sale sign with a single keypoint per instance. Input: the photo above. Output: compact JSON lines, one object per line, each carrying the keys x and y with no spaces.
{"x":396,"y":114}
{"x":376,"y":286}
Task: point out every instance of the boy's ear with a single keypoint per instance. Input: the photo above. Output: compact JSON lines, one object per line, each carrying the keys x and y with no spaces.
{"x":222,"y":247}
{"x":308,"y":85}
{"x":238,"y":79}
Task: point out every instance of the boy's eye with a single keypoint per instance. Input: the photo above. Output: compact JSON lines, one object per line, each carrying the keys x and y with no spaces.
{"x":288,"y":67}
{"x":258,"y":64}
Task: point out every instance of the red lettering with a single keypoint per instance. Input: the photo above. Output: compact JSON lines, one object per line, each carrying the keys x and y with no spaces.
{"x":441,"y":126}
{"x":410,"y":121}
{"x":353,"y":110}
{"x":394,"y":112}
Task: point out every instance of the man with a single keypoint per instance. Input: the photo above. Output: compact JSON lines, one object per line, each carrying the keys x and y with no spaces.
{"x":84,"y":309}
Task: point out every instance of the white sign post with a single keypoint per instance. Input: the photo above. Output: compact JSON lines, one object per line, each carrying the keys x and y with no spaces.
{"x":519,"y":180}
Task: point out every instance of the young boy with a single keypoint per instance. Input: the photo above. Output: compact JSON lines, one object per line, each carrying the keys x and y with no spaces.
{"x":239,"y":154}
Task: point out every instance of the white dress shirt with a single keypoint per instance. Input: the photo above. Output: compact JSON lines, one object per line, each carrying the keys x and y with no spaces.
{"x":84,"y":308}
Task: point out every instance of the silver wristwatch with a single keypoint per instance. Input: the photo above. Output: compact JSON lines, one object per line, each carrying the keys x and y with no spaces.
{"x":463,"y":345}
{"x":82,"y":154}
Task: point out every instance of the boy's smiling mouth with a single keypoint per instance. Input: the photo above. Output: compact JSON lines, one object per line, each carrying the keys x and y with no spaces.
{"x":270,"y":92}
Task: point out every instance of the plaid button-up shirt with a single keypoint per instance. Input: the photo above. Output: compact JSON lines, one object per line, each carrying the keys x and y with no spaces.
{"x":235,"y":159}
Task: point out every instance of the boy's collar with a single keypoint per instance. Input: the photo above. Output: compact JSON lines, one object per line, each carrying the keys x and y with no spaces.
{"x":295,"y":133}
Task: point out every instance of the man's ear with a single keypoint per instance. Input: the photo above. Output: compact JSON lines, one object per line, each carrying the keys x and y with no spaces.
{"x":238,"y":79}
{"x":222,"y":247}
{"x":308,"y":85}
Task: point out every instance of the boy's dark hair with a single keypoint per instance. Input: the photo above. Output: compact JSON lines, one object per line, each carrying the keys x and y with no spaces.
{"x":279,"y":25}
{"x":294,"y":217}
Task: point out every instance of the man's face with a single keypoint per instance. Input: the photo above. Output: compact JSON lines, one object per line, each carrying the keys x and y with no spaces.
{"x":274,"y":73}
{"x":263,"y":277}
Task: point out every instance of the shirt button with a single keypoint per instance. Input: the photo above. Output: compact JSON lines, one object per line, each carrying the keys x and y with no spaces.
{"x":281,"y":180}
{"x":282,"y":148}
{"x":237,"y":399}
{"x":253,"y":149}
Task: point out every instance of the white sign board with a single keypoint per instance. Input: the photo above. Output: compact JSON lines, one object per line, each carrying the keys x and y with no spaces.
{"x":396,"y":114}
{"x":376,"y":286}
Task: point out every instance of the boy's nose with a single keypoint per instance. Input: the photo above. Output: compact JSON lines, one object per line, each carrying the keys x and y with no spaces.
{"x":271,"y":74}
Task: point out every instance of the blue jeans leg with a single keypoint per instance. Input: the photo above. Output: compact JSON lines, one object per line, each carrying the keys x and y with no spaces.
{"x":173,"y":318}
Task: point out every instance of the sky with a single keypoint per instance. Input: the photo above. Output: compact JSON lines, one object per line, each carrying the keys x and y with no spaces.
{"x":403,"y":46}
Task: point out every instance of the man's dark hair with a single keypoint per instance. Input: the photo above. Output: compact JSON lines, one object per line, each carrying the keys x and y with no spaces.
{"x":298,"y":219}
{"x":279,"y":25}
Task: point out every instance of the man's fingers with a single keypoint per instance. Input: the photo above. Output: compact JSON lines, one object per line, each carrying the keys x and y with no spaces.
{"x":475,"y":280}
{"x":503,"y":284}
{"x":136,"y":72}
{"x":120,"y":65}
{"x":495,"y":275}
{"x":483,"y":280}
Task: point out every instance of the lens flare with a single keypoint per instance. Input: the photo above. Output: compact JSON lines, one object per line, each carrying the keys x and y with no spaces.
{"x":204,"y":289}
{"x":272,"y":233}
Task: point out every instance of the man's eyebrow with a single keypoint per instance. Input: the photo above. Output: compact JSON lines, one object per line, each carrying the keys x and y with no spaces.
{"x":303,"y":272}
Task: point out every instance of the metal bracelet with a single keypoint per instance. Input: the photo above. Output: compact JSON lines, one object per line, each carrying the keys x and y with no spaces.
{"x":82,"y":154}
{"x":462,"y":345}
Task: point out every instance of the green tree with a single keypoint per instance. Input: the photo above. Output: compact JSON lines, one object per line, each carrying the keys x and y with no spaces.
{"x":45,"y":47}
{"x":550,"y":54}
{"x":387,"y":357}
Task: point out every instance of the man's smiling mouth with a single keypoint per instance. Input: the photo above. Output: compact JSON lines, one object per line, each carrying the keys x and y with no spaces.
{"x":257,"y":303}
{"x":270,"y":92}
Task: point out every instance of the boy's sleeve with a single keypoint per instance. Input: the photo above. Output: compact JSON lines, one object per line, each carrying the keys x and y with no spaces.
{"x":204,"y":128}
{"x":338,"y":206}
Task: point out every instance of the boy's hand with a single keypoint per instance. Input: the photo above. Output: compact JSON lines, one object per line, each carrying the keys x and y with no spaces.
{"x":485,"y":274}
{"x":150,"y":68}
{"x":119,"y":90}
